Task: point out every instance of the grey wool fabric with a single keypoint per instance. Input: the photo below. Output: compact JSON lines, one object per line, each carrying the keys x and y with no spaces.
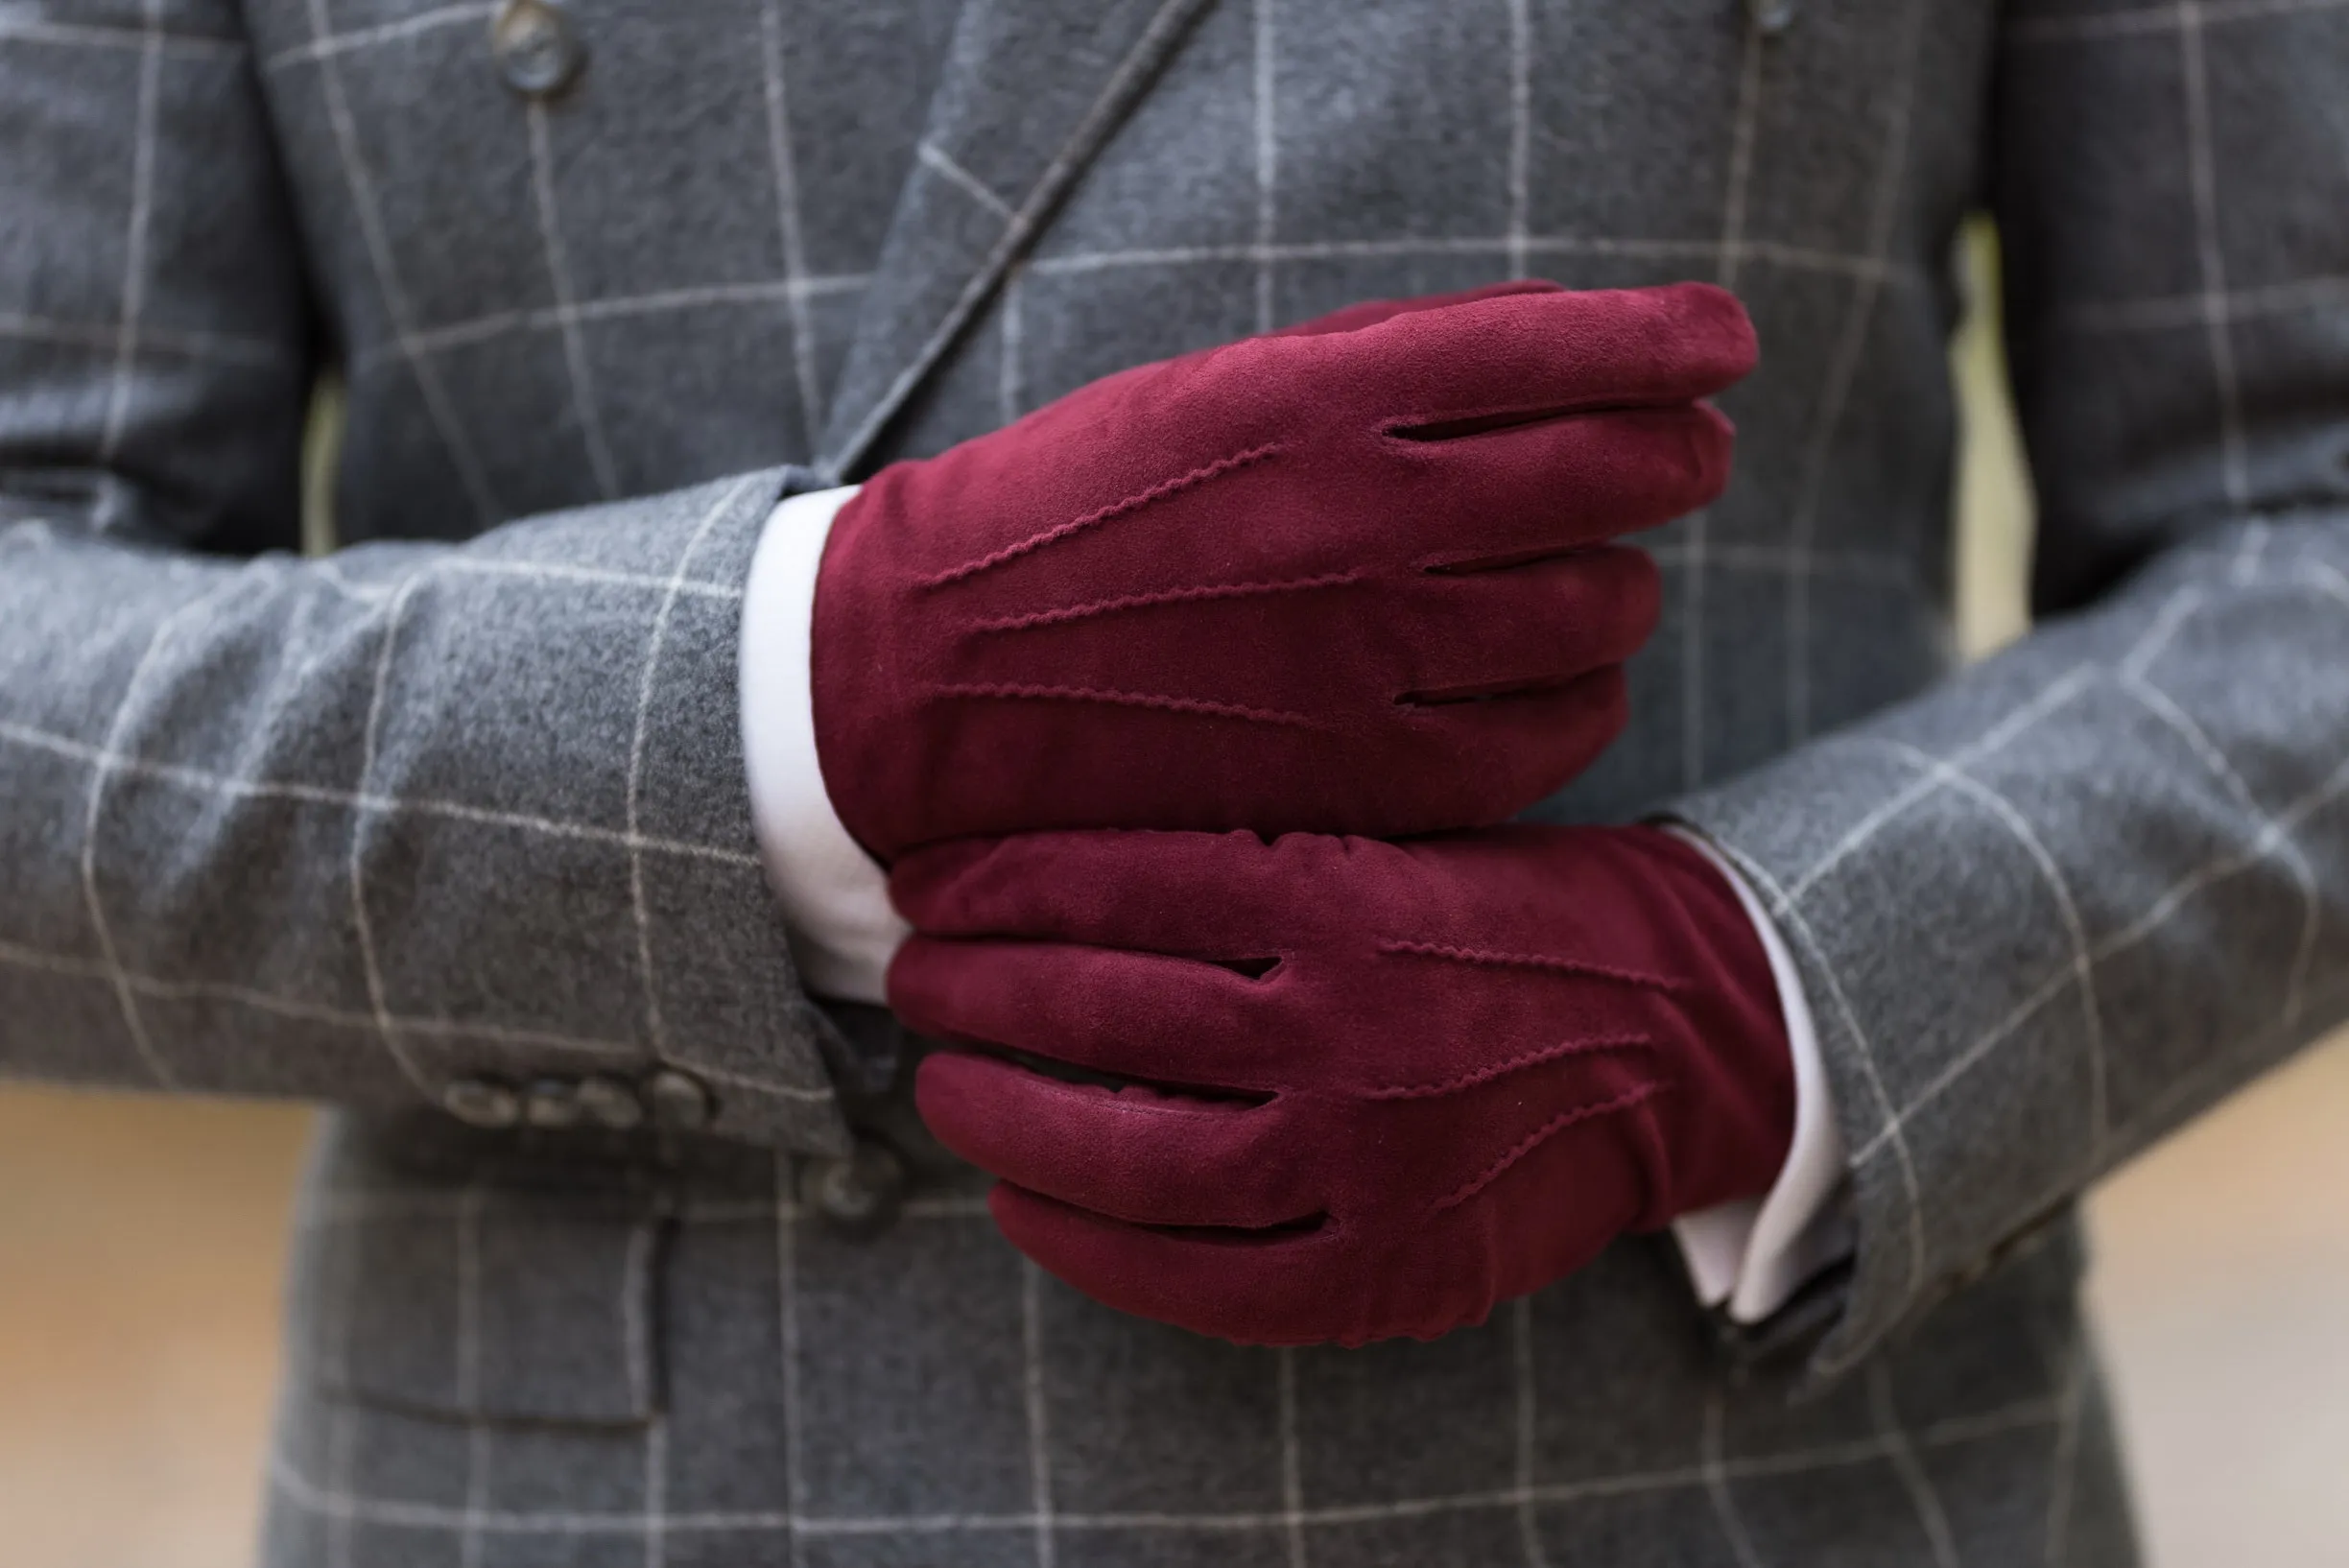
{"x":463,"y":804}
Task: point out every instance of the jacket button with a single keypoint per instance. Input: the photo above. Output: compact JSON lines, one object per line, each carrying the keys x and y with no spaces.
{"x":550,"y":1103}
{"x":479,"y":1102}
{"x":678,"y":1100}
{"x":606,"y":1102}
{"x":858,"y":1197}
{"x":1770,"y":17}
{"x":539,"y":50}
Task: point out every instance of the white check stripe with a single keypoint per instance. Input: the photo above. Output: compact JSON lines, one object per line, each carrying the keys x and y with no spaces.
{"x":2303,"y":870}
{"x":164,"y":990}
{"x":1521,"y":134}
{"x":1009,"y":388}
{"x":788,"y":217}
{"x":1521,"y":1366}
{"x":2273,"y":836}
{"x":347,"y":1205}
{"x":370,"y":961}
{"x":1293,"y":1516}
{"x":2162,"y":313}
{"x":655,"y":1030}
{"x":2053,"y":695}
{"x":288,"y":1482}
{"x":1695,"y":552}
{"x":1714,"y":1469}
{"x":1843,"y":367}
{"x":1040,"y":1424}
{"x":325,"y":45}
{"x":2246,"y":570}
{"x":467,"y":564}
{"x":2210,"y":253}
{"x":2154,"y":20}
{"x":367,"y":208}
{"x":936,"y":158}
{"x":1789,"y":912}
{"x":1047,"y":189}
{"x":107,"y":336}
{"x":102,"y":927}
{"x":579,"y":376}
{"x":466,"y":1239}
{"x":2075,"y":930}
{"x":477,"y":1032}
{"x":1932,"y":1517}
{"x":1793,"y":258}
{"x":144,"y":148}
{"x":656,"y":1493}
{"x":340,"y":1439}
{"x":785,"y":1219}
{"x":2063,"y":1459}
{"x":1265,"y":68}
{"x":16,"y":28}
{"x":205,"y":781}
{"x":473,"y":331}
{"x":471,"y":1540}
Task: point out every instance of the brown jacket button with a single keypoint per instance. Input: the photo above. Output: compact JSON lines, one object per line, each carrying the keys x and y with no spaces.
{"x":608,"y":1102}
{"x":858,"y":1197}
{"x":537,"y":47}
{"x":480,"y":1102}
{"x":678,"y":1100}
{"x":550,"y":1103}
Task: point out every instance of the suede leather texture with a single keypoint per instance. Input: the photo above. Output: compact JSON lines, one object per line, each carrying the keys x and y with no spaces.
{"x":1333,"y":1089}
{"x":1349,"y":577}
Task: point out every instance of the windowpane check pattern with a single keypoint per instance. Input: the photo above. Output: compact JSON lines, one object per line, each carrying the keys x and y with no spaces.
{"x":465,"y":801}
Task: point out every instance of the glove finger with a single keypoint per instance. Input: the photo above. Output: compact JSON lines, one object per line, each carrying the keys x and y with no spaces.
{"x":1252,"y":1288}
{"x":1136,"y":1154}
{"x":1370,"y":312}
{"x":1521,"y":355}
{"x":1512,"y":750}
{"x":1536,"y":626}
{"x":1527,"y":490}
{"x":1131,"y":1016}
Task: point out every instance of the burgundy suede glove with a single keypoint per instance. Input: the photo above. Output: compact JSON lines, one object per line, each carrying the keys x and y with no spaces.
{"x":1335,"y":1089}
{"x":1348,"y":577}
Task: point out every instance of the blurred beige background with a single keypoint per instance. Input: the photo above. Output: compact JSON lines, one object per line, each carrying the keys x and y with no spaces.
{"x":140,"y":1243}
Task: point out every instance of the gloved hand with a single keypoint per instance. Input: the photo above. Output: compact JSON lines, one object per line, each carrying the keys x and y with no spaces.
{"x":1333,"y":1089}
{"x":1348,"y":577}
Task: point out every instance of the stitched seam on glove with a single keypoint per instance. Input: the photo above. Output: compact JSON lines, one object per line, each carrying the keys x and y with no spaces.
{"x":1533,"y":961}
{"x":1549,"y":1129}
{"x":1197,"y":593}
{"x":1137,"y":700}
{"x":1102,"y":514}
{"x":1592,"y":1046}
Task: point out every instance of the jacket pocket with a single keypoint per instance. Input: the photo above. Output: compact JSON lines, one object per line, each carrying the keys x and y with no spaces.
{"x":479,"y":1294}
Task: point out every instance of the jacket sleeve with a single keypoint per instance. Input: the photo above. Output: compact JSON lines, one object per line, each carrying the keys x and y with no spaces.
{"x":2068,"y":899}
{"x":410,"y":823}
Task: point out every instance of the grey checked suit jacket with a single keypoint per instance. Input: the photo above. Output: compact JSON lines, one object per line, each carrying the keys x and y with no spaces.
{"x":463,"y":801}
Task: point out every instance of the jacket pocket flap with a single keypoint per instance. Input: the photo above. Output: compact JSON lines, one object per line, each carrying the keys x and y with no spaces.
{"x":487,"y":1303}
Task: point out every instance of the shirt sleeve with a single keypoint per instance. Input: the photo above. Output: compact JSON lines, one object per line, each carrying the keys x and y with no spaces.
{"x":1751,"y":1255}
{"x":842,"y":929}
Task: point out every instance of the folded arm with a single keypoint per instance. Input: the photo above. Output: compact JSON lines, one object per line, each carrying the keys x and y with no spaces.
{"x":2066,"y":901}
{"x":415,"y":823}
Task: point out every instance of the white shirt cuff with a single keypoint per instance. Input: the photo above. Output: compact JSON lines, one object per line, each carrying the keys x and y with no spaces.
{"x":1753,"y":1254}
{"x":836,"y":911}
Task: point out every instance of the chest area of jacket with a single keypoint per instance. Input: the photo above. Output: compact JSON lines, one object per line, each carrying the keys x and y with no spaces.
{"x":741,"y":145}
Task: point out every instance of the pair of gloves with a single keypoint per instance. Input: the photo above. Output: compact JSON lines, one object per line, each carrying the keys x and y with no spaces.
{"x":1100,"y":687}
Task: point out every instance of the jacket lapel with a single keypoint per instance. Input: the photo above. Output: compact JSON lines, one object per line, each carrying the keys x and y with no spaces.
{"x":1031,"y":90}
